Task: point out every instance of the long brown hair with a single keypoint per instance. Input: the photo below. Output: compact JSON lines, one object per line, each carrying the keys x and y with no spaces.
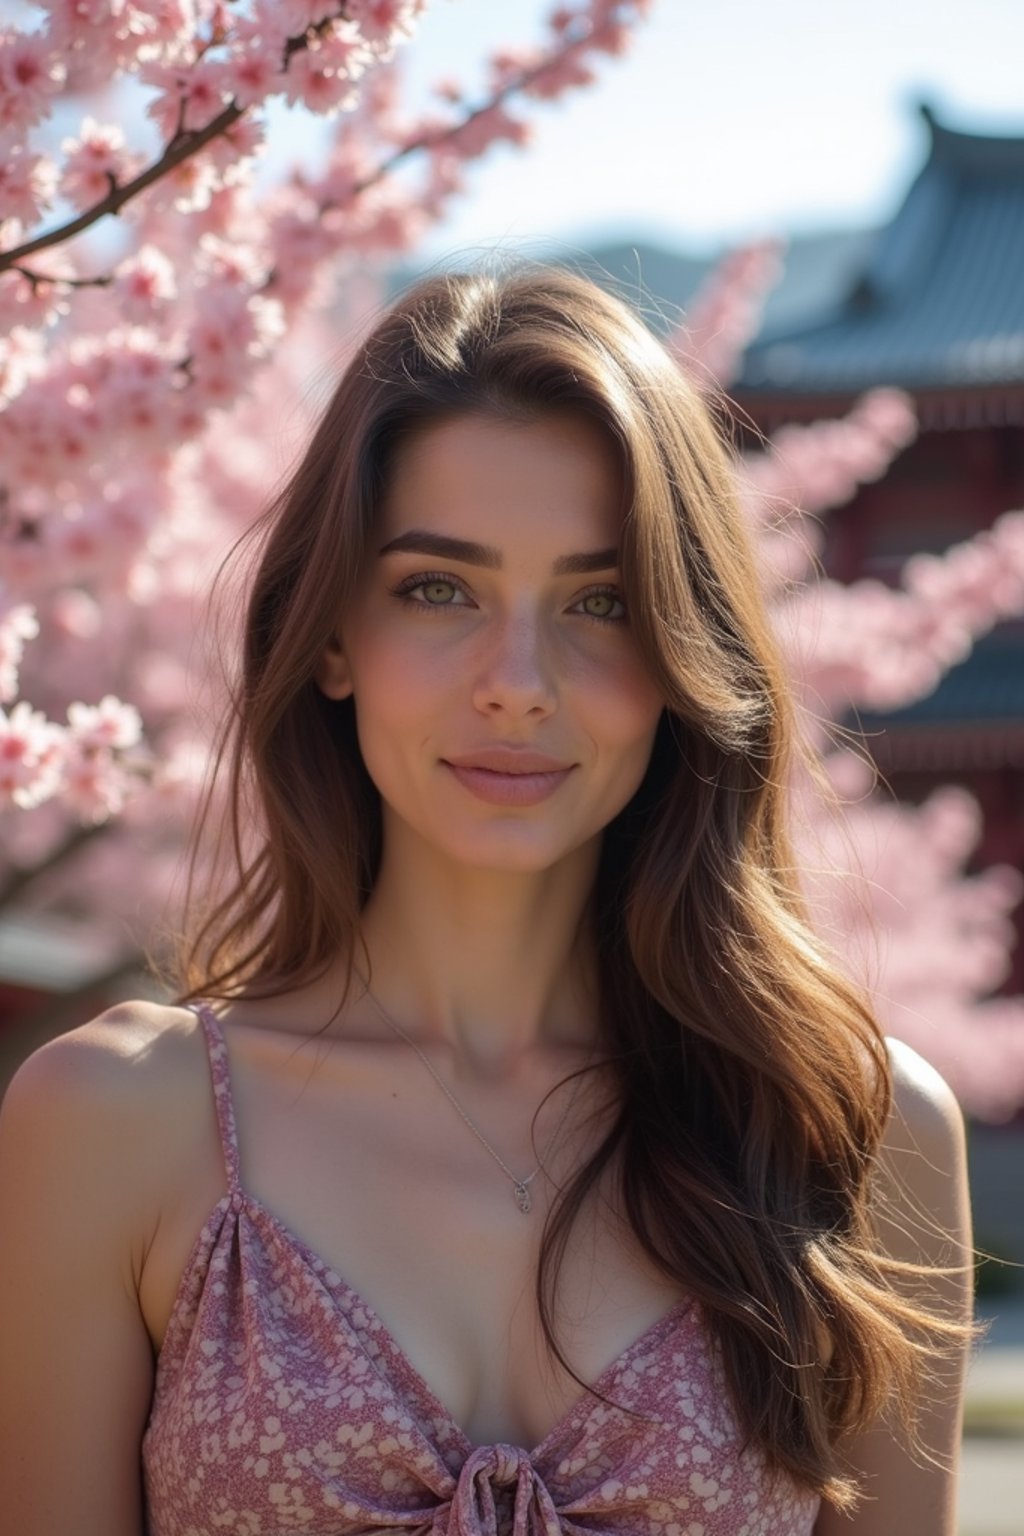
{"x":754,"y":1085}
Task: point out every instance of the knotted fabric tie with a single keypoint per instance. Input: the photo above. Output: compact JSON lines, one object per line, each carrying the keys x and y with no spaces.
{"x":494,"y":1477}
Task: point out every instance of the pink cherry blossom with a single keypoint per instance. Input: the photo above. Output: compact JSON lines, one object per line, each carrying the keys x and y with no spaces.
{"x":386,"y":222}
{"x":567,"y":69}
{"x":232,"y":262}
{"x":27,"y":181}
{"x":169,"y":26}
{"x":230,"y":328}
{"x":96,"y":52}
{"x":725,"y":313}
{"x":562,"y":19}
{"x":108,"y":724}
{"x":206,"y":93}
{"x":31,"y":73}
{"x":21,"y":358}
{"x":75,"y":612}
{"x":28,"y":304}
{"x":92,"y":162}
{"x":978,"y":579}
{"x":385,"y":22}
{"x":255,"y":72}
{"x":300,"y":243}
{"x":133,"y":399}
{"x":299,"y":15}
{"x":445,"y":180}
{"x":188,"y":96}
{"x":188,"y":187}
{"x":30,"y":750}
{"x":449,"y":90}
{"x":79,"y":545}
{"x":508,"y":65}
{"x":494,"y":126}
{"x":884,"y":884}
{"x":244,"y":140}
{"x":268,"y":27}
{"x":323,"y":75}
{"x":819,"y":466}
{"x":93,"y":782}
{"x":145,"y":284}
{"x":18,"y":623}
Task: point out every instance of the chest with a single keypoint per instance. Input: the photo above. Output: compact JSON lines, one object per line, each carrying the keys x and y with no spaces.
{"x":377,"y":1174}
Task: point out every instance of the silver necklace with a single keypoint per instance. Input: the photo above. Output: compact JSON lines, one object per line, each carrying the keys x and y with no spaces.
{"x":520,"y":1187}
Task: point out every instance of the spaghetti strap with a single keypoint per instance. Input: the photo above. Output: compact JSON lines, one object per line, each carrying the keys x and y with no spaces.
{"x":220,"y":1073}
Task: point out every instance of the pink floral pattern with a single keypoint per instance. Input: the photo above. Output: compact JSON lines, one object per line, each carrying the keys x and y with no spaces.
{"x":282,"y":1404}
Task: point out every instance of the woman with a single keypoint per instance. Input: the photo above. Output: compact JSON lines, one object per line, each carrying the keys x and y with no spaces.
{"x":529,"y":1077}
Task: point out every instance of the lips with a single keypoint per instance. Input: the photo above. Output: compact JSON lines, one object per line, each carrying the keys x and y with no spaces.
{"x":509,"y":760}
{"x":509,"y":776}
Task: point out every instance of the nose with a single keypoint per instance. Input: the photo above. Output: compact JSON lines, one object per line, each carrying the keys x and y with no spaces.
{"x":515,"y":672}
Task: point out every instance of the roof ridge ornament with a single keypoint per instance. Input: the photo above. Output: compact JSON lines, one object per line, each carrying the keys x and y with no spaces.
{"x":927,"y":111}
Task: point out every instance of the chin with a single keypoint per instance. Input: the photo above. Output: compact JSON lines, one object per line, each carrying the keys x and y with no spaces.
{"x":515,"y":850}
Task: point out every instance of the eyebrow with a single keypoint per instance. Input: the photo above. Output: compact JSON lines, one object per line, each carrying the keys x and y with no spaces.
{"x":419,"y":542}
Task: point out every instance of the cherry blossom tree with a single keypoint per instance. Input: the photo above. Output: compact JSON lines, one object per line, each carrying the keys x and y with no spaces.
{"x":156,"y":381}
{"x":143,"y":288}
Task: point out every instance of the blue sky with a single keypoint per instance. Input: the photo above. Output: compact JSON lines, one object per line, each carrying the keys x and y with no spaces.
{"x":729,"y":118}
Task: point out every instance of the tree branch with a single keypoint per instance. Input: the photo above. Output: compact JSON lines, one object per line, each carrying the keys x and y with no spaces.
{"x":180,"y":148}
{"x":438,"y":137}
{"x":185,"y":144}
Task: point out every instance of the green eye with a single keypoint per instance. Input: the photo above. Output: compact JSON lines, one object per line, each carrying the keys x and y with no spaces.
{"x":602,"y":604}
{"x":439,"y":593}
{"x":429,"y":589}
{"x":599,"y":605}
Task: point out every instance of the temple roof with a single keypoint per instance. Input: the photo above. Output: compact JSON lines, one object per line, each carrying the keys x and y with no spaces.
{"x":938,"y":302}
{"x":974,"y":718}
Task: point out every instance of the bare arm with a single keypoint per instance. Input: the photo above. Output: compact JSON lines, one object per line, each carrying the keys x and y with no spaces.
{"x":76,"y":1362}
{"x":925,"y":1217}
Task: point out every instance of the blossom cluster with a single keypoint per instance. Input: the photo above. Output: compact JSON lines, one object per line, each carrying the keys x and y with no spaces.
{"x":18,"y":623}
{"x":85,"y":761}
{"x":724,"y":316}
{"x":106,"y":373}
{"x":881,"y":648}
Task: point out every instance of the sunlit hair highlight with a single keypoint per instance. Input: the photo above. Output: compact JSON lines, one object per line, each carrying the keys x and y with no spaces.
{"x":754,"y":1086}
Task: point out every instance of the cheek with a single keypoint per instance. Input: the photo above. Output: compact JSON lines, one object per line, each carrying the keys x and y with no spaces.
{"x":620,"y":691}
{"x":395,"y":672}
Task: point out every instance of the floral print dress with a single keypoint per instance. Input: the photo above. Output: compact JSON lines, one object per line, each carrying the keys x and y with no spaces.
{"x":282,"y":1404}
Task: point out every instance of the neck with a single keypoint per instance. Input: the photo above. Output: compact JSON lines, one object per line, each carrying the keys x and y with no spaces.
{"x":496,"y":965}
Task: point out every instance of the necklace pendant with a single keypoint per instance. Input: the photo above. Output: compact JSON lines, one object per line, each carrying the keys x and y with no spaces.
{"x":522,"y":1197}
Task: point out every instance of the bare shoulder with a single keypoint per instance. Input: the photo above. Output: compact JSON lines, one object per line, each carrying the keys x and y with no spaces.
{"x":85,"y":1146}
{"x":922,"y":1192}
{"x":123,"y":1056}
{"x":111,"y":1083}
{"x":926,"y":1117}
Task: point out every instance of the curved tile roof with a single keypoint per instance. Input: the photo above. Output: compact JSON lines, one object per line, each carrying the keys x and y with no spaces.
{"x":938,"y":303}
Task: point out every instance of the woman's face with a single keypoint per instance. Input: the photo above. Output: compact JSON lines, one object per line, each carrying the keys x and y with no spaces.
{"x":503,"y":709}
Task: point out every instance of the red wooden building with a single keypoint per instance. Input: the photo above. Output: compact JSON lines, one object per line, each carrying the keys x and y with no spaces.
{"x":937,"y":309}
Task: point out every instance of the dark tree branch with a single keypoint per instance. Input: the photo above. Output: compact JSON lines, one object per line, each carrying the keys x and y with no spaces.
{"x":40,"y":279}
{"x":180,"y":148}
